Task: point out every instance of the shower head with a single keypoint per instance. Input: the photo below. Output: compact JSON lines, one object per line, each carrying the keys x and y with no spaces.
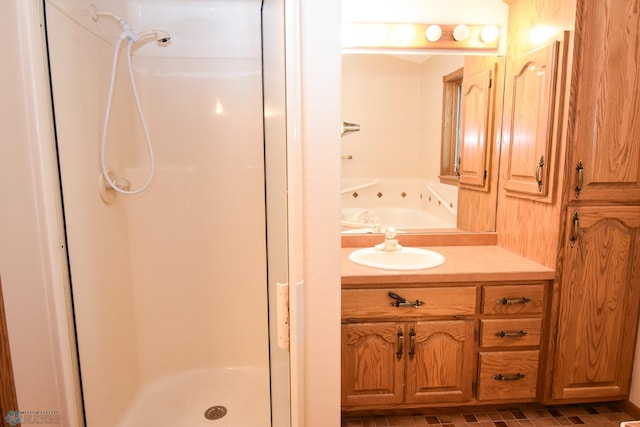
{"x":162,"y":37}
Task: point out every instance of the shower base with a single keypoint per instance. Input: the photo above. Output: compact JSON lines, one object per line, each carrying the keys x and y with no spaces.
{"x":184,"y":399}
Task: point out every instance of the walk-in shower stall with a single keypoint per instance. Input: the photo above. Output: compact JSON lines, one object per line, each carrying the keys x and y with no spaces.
{"x":170,"y":284}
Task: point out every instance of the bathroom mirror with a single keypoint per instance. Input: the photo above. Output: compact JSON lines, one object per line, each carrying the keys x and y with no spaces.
{"x":391,"y":165}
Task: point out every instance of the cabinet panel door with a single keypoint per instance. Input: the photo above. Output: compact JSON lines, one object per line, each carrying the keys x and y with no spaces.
{"x":599,"y":296}
{"x":604,"y":129}
{"x":530,"y":125}
{"x":440,"y":361}
{"x":372,"y":372}
{"x":476,"y":102}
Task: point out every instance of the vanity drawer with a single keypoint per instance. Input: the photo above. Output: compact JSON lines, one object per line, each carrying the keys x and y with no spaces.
{"x":510,"y":332}
{"x":436,"y":301}
{"x":508,"y":375}
{"x":512,"y":299}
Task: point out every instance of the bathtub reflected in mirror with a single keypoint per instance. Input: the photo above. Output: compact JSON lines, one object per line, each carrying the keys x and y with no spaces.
{"x":419,"y":206}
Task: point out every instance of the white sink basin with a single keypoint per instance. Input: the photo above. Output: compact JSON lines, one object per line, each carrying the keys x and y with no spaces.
{"x":403,"y":259}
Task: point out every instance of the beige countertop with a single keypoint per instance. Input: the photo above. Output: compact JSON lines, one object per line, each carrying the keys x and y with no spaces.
{"x":463,"y":264}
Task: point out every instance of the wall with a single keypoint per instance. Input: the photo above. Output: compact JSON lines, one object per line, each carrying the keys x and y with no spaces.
{"x":314,"y":139}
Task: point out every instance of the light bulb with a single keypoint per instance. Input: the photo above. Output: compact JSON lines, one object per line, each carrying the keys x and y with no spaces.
{"x":376,"y":34}
{"x":489,"y":34}
{"x":433,"y":33}
{"x":460,"y":32}
{"x":405,"y":33}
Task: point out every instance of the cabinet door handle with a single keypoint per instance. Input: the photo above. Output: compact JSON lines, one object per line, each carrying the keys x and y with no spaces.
{"x":576,"y":229}
{"x":412,"y":343}
{"x":505,"y":301}
{"x":400,"y":344}
{"x":580,"y":170}
{"x":513,"y":334}
{"x":500,"y":377}
{"x":539,"y":173}
{"x":403,"y":302}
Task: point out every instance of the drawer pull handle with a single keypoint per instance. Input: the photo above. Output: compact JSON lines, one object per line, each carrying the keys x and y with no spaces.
{"x":539,"y":173}
{"x":400,"y":344}
{"x":580,"y":170}
{"x":402,"y":302}
{"x":514,"y":334}
{"x":514,"y":377}
{"x":412,"y":343}
{"x":505,"y":301}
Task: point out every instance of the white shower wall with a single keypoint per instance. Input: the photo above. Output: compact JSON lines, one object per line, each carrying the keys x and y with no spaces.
{"x":174,"y":280}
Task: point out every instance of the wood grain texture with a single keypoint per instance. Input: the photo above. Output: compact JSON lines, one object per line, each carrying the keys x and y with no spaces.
{"x":508,"y":364}
{"x":8,"y":399}
{"x":598,"y":308}
{"x":442,"y":368}
{"x":437,"y":301}
{"x":371,"y":371}
{"x":517,"y":332}
{"x":477,"y":209}
{"x":604,"y":132}
{"x":474,"y":128}
{"x":492,"y":299}
{"x":527,"y":227}
{"x":530,"y":122}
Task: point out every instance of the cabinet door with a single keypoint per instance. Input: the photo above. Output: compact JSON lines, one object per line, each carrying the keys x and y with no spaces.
{"x":476,"y":103}
{"x":372,"y":363}
{"x":604,"y":130}
{"x":599,"y":296}
{"x":529,"y":129}
{"x":439,"y":361}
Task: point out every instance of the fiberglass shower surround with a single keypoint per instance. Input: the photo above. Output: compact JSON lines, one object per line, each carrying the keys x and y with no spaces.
{"x":122,"y":185}
{"x":158,"y":342}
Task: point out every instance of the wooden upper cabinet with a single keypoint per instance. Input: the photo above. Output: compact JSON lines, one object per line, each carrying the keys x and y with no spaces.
{"x":599,"y":300}
{"x":604,"y":132}
{"x":529,"y":122}
{"x":474,"y":129}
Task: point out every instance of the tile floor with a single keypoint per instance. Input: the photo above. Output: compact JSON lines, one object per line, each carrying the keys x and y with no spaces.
{"x":587,"y":415}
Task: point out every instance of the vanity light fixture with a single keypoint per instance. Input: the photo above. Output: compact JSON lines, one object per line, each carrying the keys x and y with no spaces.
{"x":366,"y":36}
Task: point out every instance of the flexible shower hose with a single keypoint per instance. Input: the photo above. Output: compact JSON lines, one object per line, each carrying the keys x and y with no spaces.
{"x":107,"y":113}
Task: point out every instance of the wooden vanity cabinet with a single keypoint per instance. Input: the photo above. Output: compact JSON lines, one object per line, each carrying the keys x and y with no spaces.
{"x":510,"y":337}
{"x":425,"y":355}
{"x":457,"y":344}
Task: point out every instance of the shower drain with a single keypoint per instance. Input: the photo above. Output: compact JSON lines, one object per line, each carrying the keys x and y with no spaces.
{"x":215,"y":412}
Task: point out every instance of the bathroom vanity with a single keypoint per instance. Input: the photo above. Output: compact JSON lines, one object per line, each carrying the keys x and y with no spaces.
{"x":556,"y":324}
{"x":467,"y":332}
